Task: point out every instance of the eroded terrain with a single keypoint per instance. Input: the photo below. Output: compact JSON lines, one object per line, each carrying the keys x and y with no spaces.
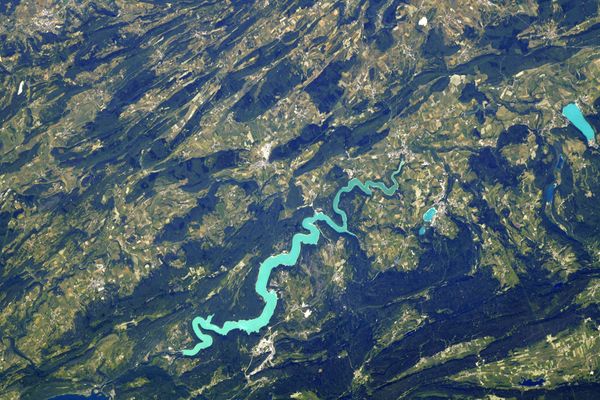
{"x":152,"y":154}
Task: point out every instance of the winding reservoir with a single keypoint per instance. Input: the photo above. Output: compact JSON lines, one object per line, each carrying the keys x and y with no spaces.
{"x":288,"y":259}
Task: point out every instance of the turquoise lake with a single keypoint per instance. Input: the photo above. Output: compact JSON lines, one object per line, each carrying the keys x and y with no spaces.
{"x":575,"y":116}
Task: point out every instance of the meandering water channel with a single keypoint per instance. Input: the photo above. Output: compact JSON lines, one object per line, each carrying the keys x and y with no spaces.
{"x":201,"y":325}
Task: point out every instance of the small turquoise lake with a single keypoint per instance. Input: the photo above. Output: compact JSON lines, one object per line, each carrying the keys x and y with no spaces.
{"x":429,"y":214}
{"x":427,"y":218}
